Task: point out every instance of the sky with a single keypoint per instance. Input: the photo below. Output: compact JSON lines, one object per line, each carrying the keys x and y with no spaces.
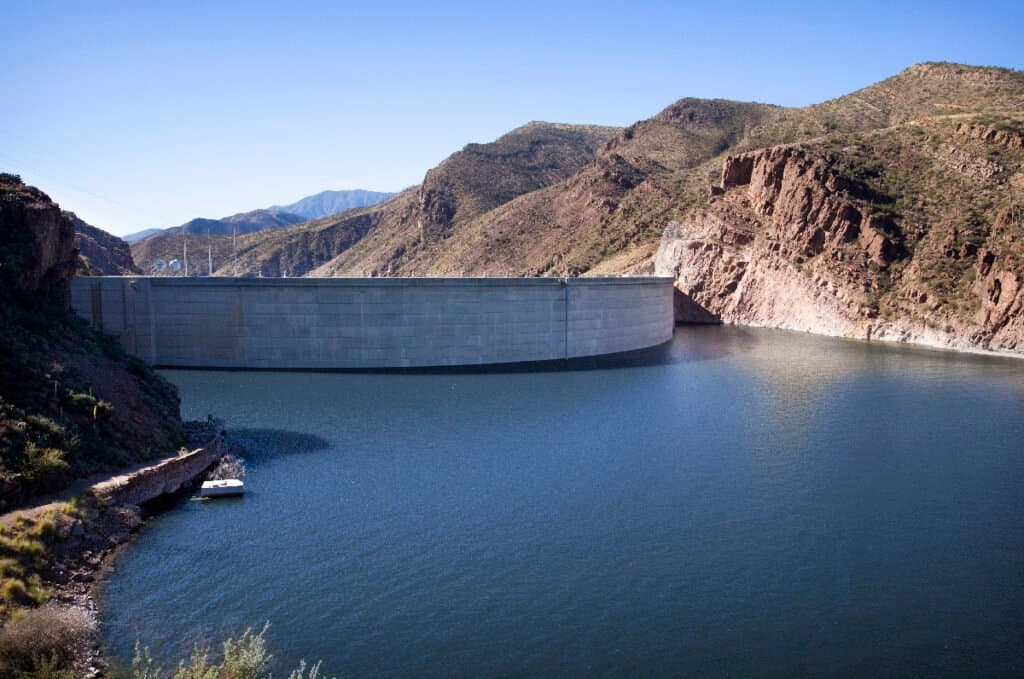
{"x":139,"y":115}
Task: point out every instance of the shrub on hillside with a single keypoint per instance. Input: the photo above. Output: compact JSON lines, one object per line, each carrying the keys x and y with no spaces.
{"x":40,"y":641}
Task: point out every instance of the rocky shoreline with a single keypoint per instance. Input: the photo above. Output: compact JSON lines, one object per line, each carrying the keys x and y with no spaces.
{"x":104,"y":516}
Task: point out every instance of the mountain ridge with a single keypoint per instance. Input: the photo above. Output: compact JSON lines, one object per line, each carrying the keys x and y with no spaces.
{"x":331,"y":202}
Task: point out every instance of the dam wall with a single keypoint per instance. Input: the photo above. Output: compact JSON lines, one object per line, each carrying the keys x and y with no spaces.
{"x":371,"y":323}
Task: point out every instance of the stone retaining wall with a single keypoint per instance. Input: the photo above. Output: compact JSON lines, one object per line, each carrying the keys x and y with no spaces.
{"x":150,"y":481}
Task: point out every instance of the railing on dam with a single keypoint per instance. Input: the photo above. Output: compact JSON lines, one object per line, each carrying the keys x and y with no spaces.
{"x":365,"y":323}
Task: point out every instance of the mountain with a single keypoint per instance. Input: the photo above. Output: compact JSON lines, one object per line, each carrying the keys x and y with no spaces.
{"x":318,"y":205}
{"x":464,"y":186}
{"x":100,"y":253}
{"x":139,"y":235}
{"x":169,"y":244}
{"x":912,"y":232}
{"x":893,"y":212}
{"x":327,"y":203}
{"x":243,"y":222}
{"x":608,"y":205}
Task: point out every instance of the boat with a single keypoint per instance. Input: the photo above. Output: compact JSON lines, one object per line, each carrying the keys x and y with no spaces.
{"x":222,"y":488}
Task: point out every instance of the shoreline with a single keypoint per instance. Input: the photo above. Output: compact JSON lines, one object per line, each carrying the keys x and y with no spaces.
{"x":883,"y":340}
{"x":94,"y":526}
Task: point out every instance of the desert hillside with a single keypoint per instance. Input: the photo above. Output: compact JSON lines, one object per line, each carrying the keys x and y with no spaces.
{"x":468,"y":184}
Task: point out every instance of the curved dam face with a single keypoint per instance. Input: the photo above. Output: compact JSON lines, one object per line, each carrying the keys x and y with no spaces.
{"x":368,"y":323}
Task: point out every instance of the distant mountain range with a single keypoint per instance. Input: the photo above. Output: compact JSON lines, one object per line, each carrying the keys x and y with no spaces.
{"x":139,"y":235}
{"x":327,"y":203}
{"x":322,"y":204}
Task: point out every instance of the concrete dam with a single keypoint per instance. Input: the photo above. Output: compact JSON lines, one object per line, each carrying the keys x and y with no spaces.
{"x":372,"y":323}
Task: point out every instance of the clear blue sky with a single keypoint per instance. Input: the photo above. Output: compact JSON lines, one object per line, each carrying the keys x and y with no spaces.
{"x":147,"y":114}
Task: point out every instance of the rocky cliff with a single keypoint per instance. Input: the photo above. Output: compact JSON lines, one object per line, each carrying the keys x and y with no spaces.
{"x":913,"y":233}
{"x":37,"y":243}
{"x":100,"y":253}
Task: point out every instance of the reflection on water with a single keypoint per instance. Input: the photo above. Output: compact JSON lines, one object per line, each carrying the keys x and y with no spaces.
{"x":746,"y":502}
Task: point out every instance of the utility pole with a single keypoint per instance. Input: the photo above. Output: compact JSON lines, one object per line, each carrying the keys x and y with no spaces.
{"x":234,"y":249}
{"x":184,"y":251}
{"x":209,"y":254}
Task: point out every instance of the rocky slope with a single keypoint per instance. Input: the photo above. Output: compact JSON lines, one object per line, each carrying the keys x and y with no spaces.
{"x":910,"y":233}
{"x":71,"y":402}
{"x":613,"y":206}
{"x":100,"y":253}
{"x":421,"y":220}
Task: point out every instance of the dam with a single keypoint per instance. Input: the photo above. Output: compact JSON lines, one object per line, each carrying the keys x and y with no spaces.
{"x":374,"y":323}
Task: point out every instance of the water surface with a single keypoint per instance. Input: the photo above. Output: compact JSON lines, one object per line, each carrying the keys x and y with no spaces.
{"x":758,"y":503}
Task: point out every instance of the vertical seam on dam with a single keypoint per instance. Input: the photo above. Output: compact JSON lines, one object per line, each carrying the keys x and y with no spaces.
{"x":565,"y":318}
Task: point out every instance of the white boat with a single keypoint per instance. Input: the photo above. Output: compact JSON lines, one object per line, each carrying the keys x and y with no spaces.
{"x":221,"y":488}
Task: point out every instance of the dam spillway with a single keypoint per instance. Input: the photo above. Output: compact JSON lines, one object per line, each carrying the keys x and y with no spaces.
{"x":374,"y":323}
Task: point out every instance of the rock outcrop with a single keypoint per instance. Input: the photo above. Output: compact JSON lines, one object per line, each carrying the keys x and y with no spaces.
{"x":793,"y":238}
{"x":100,"y":253}
{"x":37,"y":241}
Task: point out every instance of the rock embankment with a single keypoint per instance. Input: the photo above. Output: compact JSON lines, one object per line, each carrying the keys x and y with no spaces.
{"x":147,"y":482}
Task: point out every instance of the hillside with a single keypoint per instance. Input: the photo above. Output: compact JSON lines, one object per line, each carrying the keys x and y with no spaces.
{"x":609,"y":217}
{"x":464,"y":186}
{"x":71,"y":401}
{"x":610,"y":205}
{"x":100,"y":253}
{"x":327,"y":203}
{"x":913,"y":232}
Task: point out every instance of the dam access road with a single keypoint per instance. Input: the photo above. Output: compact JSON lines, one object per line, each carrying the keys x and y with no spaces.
{"x":374,"y":323}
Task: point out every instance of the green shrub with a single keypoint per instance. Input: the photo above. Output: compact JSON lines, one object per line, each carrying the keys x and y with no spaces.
{"x":81,"y":403}
{"x":43,"y":465}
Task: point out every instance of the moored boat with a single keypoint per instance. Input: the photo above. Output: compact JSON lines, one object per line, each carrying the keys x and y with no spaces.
{"x":221,"y":488}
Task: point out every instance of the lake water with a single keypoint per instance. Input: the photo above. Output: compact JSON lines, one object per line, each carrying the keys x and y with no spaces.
{"x":747,"y":502}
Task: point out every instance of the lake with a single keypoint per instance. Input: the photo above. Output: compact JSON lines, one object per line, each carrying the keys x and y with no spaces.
{"x":743,"y":502}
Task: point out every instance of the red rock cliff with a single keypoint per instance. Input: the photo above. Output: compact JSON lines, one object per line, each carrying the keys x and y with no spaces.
{"x":789,"y":241}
